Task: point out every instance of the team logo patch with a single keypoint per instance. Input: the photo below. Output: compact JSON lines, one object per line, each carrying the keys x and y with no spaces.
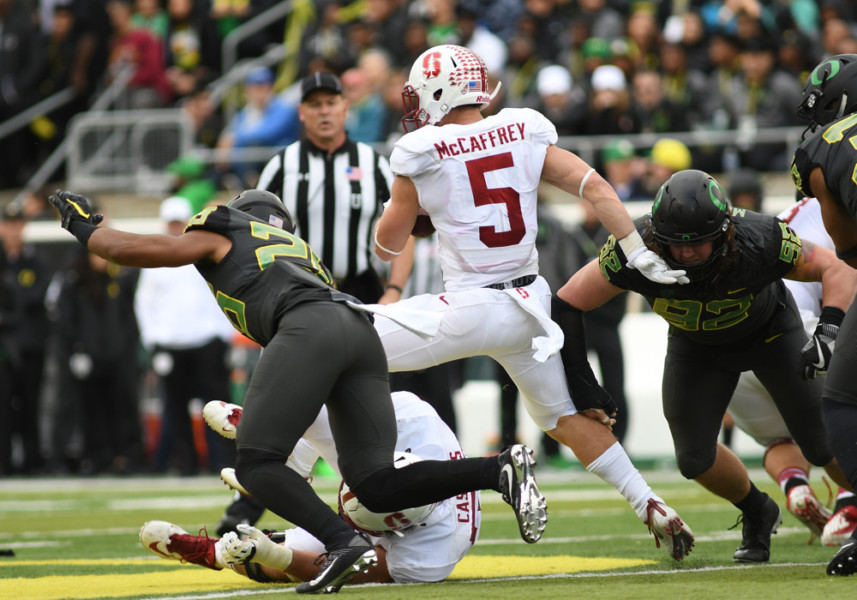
{"x":431,"y":65}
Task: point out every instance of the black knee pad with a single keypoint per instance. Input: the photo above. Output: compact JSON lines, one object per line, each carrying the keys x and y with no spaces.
{"x":692,"y":466}
{"x":249,"y":460}
{"x":254,"y":572}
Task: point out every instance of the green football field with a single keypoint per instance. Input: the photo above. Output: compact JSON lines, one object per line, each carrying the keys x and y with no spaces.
{"x":77,"y":538}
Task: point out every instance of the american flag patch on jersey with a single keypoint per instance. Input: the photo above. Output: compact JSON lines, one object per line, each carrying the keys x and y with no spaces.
{"x":353,"y":173}
{"x":474,"y":86}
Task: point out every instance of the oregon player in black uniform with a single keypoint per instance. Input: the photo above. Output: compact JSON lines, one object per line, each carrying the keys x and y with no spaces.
{"x":734,"y":315}
{"x":824,"y":167}
{"x":318,"y":351}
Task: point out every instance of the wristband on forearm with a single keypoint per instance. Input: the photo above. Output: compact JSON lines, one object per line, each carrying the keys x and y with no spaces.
{"x":848,"y":253}
{"x":631,"y":243}
{"x":82,"y":230}
{"x":832,"y":315}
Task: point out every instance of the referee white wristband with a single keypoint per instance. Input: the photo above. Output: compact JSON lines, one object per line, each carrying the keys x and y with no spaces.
{"x":387,"y":250}
{"x":583,"y":182}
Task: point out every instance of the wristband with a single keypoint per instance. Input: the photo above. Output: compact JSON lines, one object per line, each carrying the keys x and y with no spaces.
{"x":848,"y":253}
{"x":583,"y":182}
{"x":377,"y":243}
{"x":631,"y":243}
{"x":390,"y":286}
{"x":82,"y":230}
{"x":832,"y":315}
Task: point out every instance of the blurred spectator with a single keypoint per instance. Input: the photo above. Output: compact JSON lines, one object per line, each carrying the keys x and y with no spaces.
{"x":595,"y":52}
{"x":798,"y":54}
{"x":99,"y":342}
{"x":393,"y":129}
{"x":35,"y":205}
{"x":386,"y":19}
{"x":499,"y":16}
{"x":763,"y":96}
{"x":684,"y":87}
{"x":519,"y":82}
{"x":724,"y":51}
{"x":643,"y":31}
{"x":192,"y":181}
{"x":190,"y":362}
{"x":151,"y":16}
{"x":668,"y":156}
{"x":476,"y":36}
{"x":266,"y":120}
{"x":694,"y":41}
{"x":326,"y":39}
{"x":563,"y":104}
{"x":623,"y":170}
{"x":442,"y":27}
{"x":149,"y":87}
{"x":192,"y":46}
{"x":610,"y":110}
{"x":21,"y":67}
{"x":9,"y":317}
{"x":376,"y":65}
{"x":654,"y":112}
{"x":745,"y":190}
{"x":603,"y":20}
{"x":415,"y":42}
{"x":206,"y":120}
{"x":367,"y":113}
{"x":229,"y":14}
{"x":29,"y":272}
{"x":543,"y":21}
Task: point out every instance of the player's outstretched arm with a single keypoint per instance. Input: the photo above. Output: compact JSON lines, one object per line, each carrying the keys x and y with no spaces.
{"x":573,"y":175}
{"x":131,"y":249}
{"x":837,"y":219}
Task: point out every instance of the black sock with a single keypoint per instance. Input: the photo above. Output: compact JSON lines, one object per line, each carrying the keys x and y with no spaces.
{"x":489,"y":470}
{"x":753,"y":501}
{"x":793,"y":482}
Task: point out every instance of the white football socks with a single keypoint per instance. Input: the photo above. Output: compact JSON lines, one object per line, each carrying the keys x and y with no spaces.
{"x":614,"y":467}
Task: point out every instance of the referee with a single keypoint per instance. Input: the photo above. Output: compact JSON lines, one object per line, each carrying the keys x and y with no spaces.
{"x":335,"y":188}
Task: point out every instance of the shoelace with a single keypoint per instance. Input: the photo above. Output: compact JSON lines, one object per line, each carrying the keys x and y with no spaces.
{"x":200,"y":547}
{"x":654,"y":505}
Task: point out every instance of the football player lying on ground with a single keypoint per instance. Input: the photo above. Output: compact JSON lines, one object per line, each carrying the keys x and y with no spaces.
{"x":320,"y":350}
{"x":418,"y":545}
{"x":735,"y":315}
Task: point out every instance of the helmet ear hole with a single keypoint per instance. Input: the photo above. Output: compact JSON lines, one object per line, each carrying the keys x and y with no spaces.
{"x":437,"y":94}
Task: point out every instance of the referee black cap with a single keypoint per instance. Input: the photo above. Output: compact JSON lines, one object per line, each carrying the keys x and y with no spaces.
{"x":320,"y":80}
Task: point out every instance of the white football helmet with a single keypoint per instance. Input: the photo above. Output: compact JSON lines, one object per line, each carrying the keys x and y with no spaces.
{"x":442,"y":78}
{"x":377,"y":524}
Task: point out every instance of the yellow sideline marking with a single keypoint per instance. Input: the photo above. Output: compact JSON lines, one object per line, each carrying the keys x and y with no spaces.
{"x":185,"y":579}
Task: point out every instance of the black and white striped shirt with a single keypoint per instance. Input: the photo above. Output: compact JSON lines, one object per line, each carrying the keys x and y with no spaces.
{"x":334,"y":199}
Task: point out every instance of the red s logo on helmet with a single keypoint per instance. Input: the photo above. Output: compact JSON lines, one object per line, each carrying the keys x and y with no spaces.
{"x":431,"y":65}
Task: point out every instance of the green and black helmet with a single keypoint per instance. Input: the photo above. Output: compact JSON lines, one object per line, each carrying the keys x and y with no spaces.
{"x":265,"y":206}
{"x":691,"y":208}
{"x":830,"y":91}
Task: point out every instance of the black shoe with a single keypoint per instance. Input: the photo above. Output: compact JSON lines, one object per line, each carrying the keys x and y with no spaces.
{"x":341,"y":564}
{"x":244,"y":510}
{"x":519,"y":490}
{"x":756,"y":533}
{"x":845,"y":560}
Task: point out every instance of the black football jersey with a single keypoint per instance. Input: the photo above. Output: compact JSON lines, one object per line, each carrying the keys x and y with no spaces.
{"x":267,"y":271}
{"x":734,"y":303}
{"x":832,"y":149}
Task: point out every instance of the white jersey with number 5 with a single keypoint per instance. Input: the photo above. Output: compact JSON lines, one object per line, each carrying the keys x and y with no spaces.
{"x":479,"y":183}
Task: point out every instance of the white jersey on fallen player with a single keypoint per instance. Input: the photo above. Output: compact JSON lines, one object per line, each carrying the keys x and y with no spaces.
{"x":751,"y":406}
{"x":479,"y":183}
{"x":424,"y":553}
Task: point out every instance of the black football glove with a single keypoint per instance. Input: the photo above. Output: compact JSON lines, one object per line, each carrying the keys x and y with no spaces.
{"x":819,"y":349}
{"x":586,"y":392}
{"x":76,"y":213}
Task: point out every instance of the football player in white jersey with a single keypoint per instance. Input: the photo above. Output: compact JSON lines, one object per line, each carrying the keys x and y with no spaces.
{"x":757,"y":416}
{"x":422,"y":552}
{"x":476,"y":178}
